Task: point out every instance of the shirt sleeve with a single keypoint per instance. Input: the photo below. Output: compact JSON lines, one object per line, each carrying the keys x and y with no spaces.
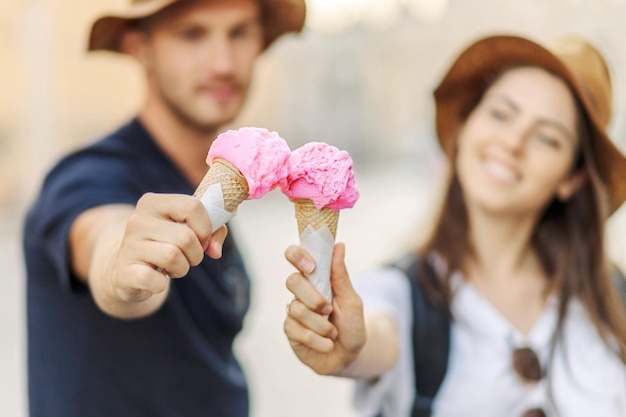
{"x":388,"y":290}
{"x":78,"y":183}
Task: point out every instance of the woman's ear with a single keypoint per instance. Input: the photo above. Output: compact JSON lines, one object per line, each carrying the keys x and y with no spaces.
{"x":572,"y":184}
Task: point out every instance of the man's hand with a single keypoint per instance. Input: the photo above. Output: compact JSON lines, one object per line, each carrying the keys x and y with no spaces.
{"x":128,"y":255}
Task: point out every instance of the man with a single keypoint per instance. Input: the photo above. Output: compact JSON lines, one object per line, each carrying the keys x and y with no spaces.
{"x":126,"y":316}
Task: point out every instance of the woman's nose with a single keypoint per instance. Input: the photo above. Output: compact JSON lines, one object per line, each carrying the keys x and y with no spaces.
{"x":515,"y":137}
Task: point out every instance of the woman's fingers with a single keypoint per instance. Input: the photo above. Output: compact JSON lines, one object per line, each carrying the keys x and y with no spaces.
{"x":300,"y":335}
{"x":300,"y":258}
{"x":311,"y":320}
{"x":307,"y":294}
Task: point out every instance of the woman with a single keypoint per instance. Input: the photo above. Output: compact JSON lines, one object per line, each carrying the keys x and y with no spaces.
{"x":514,"y":272}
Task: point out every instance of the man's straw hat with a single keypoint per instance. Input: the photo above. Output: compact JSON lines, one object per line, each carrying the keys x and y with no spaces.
{"x":279,"y":17}
{"x":572,"y":58}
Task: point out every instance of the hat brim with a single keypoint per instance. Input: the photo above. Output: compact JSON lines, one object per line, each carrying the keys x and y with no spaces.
{"x":279,"y":17}
{"x":466,"y":80}
{"x":106,"y":31}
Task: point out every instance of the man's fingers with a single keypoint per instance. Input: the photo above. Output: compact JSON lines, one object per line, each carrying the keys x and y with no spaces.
{"x":178,"y":208}
{"x":144,"y":279}
{"x":197,"y":218}
{"x":213,"y":247}
{"x":178,"y":219}
{"x":168,"y":233}
{"x":163,"y":256}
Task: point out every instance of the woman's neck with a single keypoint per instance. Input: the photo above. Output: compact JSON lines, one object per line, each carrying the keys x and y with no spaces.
{"x":506,"y":270}
{"x":502,"y":245}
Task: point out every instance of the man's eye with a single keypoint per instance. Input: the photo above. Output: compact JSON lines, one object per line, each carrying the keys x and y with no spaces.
{"x":239,"y":33}
{"x":245,"y":31}
{"x":192,"y":34}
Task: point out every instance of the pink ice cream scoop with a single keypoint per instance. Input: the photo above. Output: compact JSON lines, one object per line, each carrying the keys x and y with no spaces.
{"x":320,"y":183}
{"x":323,"y":174}
{"x":260,"y":155}
{"x":243,"y":164}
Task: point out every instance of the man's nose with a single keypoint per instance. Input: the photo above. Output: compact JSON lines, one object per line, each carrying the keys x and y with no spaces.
{"x":220,"y":56}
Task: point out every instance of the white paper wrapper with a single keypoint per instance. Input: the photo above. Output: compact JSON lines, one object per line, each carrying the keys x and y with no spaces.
{"x":213,"y":202}
{"x":320,"y":244}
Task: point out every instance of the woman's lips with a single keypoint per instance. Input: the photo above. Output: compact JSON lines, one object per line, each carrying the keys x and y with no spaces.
{"x":500,"y":171}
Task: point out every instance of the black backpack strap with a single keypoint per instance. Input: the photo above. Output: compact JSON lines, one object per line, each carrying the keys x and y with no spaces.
{"x":431,"y":337}
{"x":620,"y":282}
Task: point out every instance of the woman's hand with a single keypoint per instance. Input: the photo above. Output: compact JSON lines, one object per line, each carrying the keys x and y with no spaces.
{"x":326,"y":336}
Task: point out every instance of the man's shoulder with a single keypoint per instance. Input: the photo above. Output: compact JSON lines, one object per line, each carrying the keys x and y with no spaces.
{"x":109,"y":162}
{"x":128,"y":141}
{"x":129,"y":137}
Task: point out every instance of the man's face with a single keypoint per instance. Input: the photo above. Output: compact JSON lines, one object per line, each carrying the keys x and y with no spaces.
{"x":199,"y":59}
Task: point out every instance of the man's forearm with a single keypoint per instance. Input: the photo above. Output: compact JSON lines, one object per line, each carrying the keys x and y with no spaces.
{"x":95,"y":240}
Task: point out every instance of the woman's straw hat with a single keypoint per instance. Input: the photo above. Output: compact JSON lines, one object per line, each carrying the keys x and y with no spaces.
{"x":572,"y":58}
{"x":279,"y":17}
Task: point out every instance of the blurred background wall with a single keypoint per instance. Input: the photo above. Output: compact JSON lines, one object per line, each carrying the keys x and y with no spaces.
{"x":360,"y":76}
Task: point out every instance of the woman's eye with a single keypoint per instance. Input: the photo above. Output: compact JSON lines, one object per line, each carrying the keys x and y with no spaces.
{"x":547,"y":139}
{"x":498,"y":114}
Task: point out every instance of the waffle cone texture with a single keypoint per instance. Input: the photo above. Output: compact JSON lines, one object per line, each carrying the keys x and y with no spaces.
{"x":307,"y":214}
{"x":233,"y":183}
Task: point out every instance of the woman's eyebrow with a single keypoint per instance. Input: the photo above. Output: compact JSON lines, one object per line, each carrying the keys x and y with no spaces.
{"x":540,"y":121}
{"x":559,"y":126}
{"x":495,"y":96}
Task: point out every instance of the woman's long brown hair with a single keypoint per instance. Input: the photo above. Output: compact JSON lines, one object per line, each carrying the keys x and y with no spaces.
{"x":568,"y":239}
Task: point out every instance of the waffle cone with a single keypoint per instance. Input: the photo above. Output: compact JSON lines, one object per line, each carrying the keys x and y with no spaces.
{"x":233,"y":183}
{"x":307,"y":214}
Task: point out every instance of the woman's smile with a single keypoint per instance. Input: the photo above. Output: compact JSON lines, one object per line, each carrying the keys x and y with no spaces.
{"x":500,"y":171}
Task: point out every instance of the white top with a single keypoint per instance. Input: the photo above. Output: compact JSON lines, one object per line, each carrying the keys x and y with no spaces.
{"x":585,"y":378}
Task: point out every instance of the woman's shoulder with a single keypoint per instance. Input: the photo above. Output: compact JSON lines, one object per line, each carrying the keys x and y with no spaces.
{"x":385,"y":278}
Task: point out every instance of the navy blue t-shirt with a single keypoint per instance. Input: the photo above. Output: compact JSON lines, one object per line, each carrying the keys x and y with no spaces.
{"x":177,"y":362}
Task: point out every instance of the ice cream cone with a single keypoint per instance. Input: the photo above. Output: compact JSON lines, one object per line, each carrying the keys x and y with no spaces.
{"x":221,"y":191}
{"x":307,"y":214}
{"x":320,"y":183}
{"x":233,"y":183}
{"x":317,"y":230}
